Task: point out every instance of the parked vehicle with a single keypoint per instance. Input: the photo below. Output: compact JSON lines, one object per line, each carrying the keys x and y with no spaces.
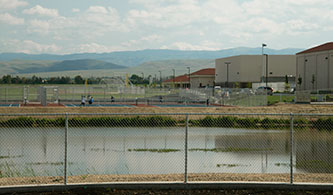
{"x":263,"y":90}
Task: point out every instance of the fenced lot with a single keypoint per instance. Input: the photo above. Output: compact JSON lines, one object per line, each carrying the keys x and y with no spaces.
{"x":83,"y":148}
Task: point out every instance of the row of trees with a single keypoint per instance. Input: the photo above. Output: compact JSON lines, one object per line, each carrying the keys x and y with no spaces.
{"x":8,"y":79}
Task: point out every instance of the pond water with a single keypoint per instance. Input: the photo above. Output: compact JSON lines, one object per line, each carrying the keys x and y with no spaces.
{"x":25,"y":152}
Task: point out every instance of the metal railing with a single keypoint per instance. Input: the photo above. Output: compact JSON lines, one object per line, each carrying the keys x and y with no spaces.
{"x":79,"y":148}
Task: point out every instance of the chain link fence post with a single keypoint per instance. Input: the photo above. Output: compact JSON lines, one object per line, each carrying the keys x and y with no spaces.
{"x":66,"y":142}
{"x":291,"y":147}
{"x":186,"y":144}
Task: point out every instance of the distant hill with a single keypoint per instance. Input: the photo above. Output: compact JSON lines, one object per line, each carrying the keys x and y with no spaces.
{"x":26,"y":66}
{"x":134,"y":58}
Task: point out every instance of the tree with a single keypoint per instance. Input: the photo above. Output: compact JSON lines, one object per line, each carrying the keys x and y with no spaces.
{"x":313,"y":80}
{"x":286,"y":84}
{"x":7,"y":79}
{"x":78,"y":80}
{"x":299,"y":82}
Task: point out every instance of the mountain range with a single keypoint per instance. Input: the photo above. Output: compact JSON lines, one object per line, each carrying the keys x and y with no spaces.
{"x":124,"y":61}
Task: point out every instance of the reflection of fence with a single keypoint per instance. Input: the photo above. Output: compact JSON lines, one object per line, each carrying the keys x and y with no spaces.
{"x":79,"y":148}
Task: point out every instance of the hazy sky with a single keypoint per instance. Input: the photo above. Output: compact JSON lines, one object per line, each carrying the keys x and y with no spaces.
{"x":76,"y":26}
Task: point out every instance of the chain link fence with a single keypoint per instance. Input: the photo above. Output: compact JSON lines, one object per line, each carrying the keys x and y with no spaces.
{"x":105,"y":94}
{"x":84,"y":148}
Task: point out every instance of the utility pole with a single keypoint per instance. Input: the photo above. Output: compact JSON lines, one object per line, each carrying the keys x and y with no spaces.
{"x":227,"y":63}
{"x":263,"y":67}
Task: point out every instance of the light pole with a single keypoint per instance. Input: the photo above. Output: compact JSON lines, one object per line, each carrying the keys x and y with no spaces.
{"x":227,"y":63}
{"x":174,"y":72}
{"x":266,"y":70}
{"x":160,"y":78}
{"x":263,"y":69}
{"x":189,"y":77}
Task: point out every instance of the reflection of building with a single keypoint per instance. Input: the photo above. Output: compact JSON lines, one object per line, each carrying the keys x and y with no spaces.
{"x":314,"y":153}
{"x":315,"y":67}
{"x":256,"y":143}
{"x":245,"y":69}
{"x":198,"y":79}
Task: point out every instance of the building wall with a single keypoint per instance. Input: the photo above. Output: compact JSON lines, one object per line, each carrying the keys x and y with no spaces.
{"x":205,"y":80}
{"x":249,"y":68}
{"x":316,"y":70}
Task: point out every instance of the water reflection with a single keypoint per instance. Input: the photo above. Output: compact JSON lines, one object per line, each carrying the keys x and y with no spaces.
{"x":111,"y":151}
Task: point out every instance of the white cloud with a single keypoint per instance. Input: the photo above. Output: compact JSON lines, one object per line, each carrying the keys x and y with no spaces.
{"x":94,"y":48}
{"x":98,"y":9}
{"x":30,"y":47}
{"x":41,"y":11}
{"x":103,"y":20}
{"x":11,"y":4}
{"x":207,"y":45}
{"x":75,"y":10}
{"x":39,"y":26}
{"x":9,"y":19}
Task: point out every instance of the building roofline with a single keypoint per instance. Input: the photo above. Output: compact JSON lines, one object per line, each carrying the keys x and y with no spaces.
{"x":323,"y":47}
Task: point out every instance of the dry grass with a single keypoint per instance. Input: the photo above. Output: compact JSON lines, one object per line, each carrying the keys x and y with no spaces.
{"x":222,"y":177}
{"x":278,"y":108}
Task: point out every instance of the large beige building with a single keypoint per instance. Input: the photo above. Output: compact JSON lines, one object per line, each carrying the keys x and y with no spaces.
{"x":314,"y":68}
{"x":247,"y":69}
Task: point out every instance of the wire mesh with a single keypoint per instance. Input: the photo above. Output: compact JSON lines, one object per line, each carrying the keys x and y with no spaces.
{"x":155,"y":147}
{"x":313,"y":148}
{"x":31,"y":150}
{"x":239,"y":148}
{"x":126,"y":148}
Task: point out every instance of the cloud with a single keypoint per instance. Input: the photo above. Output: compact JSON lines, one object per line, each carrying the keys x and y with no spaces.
{"x":9,"y":19}
{"x":39,"y":26}
{"x":11,"y":4}
{"x":75,"y":10}
{"x":93,"y":48}
{"x":97,"y":9}
{"x":29,"y":46}
{"x":206,"y":45}
{"x":41,"y":11}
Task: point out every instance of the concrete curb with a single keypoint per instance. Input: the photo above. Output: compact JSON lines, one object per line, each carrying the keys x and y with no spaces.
{"x":168,"y":186}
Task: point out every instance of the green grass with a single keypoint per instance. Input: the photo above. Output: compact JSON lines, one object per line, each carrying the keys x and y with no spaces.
{"x":273,"y":99}
{"x":324,"y":124}
{"x":153,"y":150}
{"x":230,"y":149}
{"x":229,"y":165}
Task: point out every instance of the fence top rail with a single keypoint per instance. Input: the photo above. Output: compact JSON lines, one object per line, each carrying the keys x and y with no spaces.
{"x":147,"y":114}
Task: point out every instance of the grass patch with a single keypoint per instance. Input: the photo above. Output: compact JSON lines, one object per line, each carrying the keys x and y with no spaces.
{"x":228,"y":149}
{"x":229,"y":165}
{"x":166,"y":121}
{"x":315,"y":165}
{"x":153,"y":150}
{"x":282,"y":164}
{"x":17,"y":156}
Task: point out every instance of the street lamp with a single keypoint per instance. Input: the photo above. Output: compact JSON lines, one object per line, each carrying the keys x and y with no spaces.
{"x":189,"y":77}
{"x":263,"y":69}
{"x":227,"y":63}
{"x":266,"y":70}
{"x":174,"y":72}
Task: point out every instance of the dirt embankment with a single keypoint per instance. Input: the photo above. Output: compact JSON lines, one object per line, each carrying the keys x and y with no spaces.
{"x":279,"y":108}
